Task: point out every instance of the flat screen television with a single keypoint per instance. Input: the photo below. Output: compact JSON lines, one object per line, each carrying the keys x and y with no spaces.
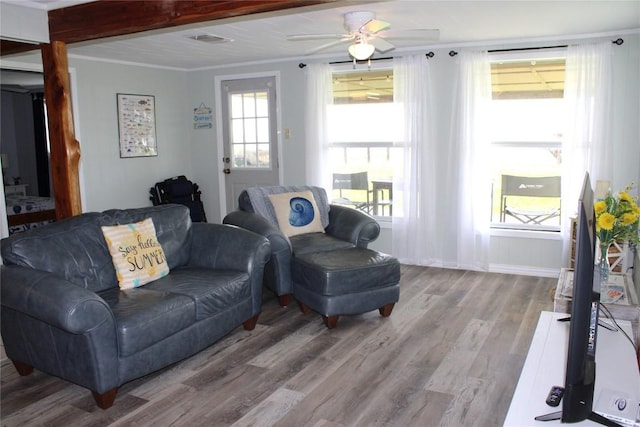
{"x":581,"y":356}
{"x":577,"y":403}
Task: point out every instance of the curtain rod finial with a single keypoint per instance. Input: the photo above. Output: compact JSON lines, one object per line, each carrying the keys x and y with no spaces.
{"x":430,"y":54}
{"x":302,"y":65}
{"x":618,"y":41}
{"x":452,"y":53}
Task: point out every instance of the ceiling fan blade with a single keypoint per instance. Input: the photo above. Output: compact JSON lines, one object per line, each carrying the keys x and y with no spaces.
{"x":325,"y":46}
{"x":294,"y":37}
{"x":374,"y":26}
{"x":381,"y":44}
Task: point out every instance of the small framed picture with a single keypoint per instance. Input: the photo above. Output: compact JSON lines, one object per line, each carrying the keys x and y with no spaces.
{"x":137,"y":125}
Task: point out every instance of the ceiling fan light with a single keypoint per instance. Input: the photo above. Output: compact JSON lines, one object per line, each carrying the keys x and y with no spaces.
{"x":361,"y":51}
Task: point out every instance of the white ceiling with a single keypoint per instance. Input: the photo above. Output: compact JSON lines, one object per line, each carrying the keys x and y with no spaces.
{"x":262,"y":38}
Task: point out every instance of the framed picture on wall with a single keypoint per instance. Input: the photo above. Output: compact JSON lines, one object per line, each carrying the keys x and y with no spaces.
{"x":137,"y":125}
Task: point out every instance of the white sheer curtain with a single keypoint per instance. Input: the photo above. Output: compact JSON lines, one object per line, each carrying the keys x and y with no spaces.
{"x":319,"y":97}
{"x":587,"y":143}
{"x":414,"y":186}
{"x":468,"y":184}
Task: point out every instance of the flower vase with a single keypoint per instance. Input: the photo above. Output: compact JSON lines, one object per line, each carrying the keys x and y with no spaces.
{"x":603,"y":265}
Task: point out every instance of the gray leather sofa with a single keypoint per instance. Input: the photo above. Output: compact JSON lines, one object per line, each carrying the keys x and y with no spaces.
{"x":64,"y":314}
{"x":347,"y":228}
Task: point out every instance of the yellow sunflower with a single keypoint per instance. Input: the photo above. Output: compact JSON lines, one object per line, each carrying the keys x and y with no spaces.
{"x":606,"y":221}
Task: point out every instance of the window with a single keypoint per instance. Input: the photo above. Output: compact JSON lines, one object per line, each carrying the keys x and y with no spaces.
{"x":361,"y":134}
{"x":527,"y":126}
{"x":250,"y":129}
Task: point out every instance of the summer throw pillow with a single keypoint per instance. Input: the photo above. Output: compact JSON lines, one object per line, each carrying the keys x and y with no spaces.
{"x":297,"y":213}
{"x":137,"y":256}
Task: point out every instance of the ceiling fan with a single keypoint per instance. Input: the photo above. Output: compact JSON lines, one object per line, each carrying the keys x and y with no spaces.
{"x":366,"y":34}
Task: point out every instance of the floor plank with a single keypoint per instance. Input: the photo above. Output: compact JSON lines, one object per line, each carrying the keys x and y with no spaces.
{"x":450,"y":354}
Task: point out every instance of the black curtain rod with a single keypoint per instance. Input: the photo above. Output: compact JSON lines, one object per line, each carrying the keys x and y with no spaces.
{"x":302,"y":64}
{"x":528,"y":48}
{"x":453,"y":53}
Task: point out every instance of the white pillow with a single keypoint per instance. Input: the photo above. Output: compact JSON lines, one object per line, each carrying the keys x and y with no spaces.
{"x":297,"y":213}
{"x":137,"y":255}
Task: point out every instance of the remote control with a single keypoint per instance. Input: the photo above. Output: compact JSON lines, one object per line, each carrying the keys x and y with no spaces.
{"x":555,"y":395}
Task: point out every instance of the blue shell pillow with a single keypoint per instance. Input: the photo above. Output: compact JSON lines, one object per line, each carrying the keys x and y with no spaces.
{"x":297,"y":213}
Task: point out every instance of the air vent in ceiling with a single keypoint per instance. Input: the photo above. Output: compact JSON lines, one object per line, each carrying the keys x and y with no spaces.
{"x":210,"y":38}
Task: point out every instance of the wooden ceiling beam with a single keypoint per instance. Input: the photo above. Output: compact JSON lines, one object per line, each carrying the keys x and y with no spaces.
{"x":10,"y":47}
{"x":108,"y":18}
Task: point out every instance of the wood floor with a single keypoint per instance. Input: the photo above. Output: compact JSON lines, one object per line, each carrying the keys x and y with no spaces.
{"x":450,"y":354}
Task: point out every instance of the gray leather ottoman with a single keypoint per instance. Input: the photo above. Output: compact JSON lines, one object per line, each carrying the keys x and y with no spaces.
{"x":345,"y":281}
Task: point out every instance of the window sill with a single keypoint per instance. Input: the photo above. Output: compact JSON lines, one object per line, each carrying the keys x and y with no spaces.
{"x":387,"y":223}
{"x":526,"y":234}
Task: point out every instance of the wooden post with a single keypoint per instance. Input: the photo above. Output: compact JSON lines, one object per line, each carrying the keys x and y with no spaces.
{"x":65,"y":149}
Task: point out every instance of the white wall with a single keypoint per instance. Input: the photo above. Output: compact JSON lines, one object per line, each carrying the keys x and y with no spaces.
{"x":113,"y":182}
{"x":206,"y":155}
{"x":626,"y":113}
{"x":22,"y":23}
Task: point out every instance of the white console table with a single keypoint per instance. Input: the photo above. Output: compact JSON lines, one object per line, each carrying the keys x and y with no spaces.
{"x":626,"y":308}
{"x":616,"y":369}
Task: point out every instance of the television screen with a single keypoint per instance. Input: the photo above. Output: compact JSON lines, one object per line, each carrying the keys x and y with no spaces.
{"x":580,"y":369}
{"x":577,"y":402}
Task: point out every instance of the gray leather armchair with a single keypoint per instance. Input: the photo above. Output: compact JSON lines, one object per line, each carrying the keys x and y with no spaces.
{"x":347,"y":228}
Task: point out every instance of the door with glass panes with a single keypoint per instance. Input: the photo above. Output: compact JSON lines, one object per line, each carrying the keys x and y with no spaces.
{"x":250,"y":135}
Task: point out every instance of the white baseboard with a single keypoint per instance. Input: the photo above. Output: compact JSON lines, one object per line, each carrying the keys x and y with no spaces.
{"x":524,"y":270}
